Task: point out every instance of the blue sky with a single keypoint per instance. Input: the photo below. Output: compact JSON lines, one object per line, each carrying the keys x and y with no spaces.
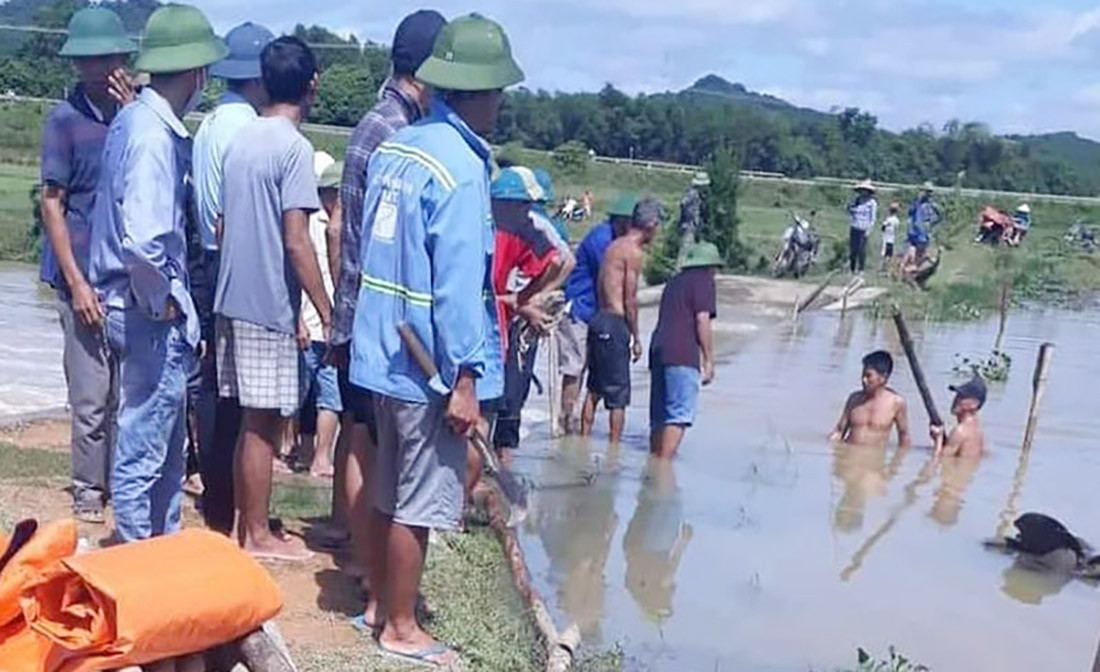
{"x":1022,"y":66}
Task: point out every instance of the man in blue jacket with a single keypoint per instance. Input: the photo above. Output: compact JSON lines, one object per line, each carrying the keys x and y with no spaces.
{"x":425,"y":257}
{"x":580,"y":291}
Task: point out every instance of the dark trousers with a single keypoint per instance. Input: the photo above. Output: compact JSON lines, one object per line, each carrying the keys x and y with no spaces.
{"x":857,"y":249}
{"x":519,"y":371}
{"x":218,"y":420}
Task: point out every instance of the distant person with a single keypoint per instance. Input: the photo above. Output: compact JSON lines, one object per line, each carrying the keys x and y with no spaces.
{"x":587,"y":203}
{"x":219,"y":420}
{"x":924,"y":215}
{"x":692,"y":208}
{"x":681,"y":352}
{"x":872,"y":412}
{"x":862,"y":215}
{"x":319,"y":418}
{"x":404,"y":100}
{"x":267,"y":259}
{"x":427,"y":262}
{"x":1021,"y":224}
{"x":890,"y":233}
{"x":580,"y":292}
{"x":72,"y":145}
{"x":139,"y":269}
{"x":613,"y":337}
{"x":966,"y":439}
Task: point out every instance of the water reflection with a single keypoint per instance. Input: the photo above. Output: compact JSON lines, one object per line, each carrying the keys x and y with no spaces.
{"x":576,"y":521}
{"x":655,"y":541}
{"x":1030,"y":585}
{"x":956,"y":474}
{"x":865,"y":475}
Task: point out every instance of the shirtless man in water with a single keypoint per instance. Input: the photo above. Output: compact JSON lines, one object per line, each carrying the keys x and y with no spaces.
{"x":967,"y":439}
{"x":872,"y":412}
{"x":613,"y":340}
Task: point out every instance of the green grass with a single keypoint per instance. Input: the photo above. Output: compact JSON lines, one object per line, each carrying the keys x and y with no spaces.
{"x":31,"y":463}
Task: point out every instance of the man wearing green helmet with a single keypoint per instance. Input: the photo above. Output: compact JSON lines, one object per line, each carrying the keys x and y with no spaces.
{"x":139,"y":268}
{"x":428,"y":242}
{"x":72,"y":142}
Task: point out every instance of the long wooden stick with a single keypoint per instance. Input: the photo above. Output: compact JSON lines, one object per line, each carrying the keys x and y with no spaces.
{"x":918,"y":372}
{"x":1038,"y":389}
{"x":816,"y":293}
{"x":1004,"y":318}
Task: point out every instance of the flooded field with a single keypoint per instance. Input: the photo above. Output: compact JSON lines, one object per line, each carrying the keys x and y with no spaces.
{"x":764,"y":548}
{"x":31,"y":379}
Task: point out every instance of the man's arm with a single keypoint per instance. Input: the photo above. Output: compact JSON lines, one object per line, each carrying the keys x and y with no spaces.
{"x":148,"y":226}
{"x":901,"y":420}
{"x":705,"y":331}
{"x":84,"y":299}
{"x":630,"y":300}
{"x":333,"y":234}
{"x":303,"y":259}
{"x":840,"y":432}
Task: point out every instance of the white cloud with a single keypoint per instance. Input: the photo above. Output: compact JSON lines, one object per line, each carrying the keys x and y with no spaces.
{"x":749,"y":12}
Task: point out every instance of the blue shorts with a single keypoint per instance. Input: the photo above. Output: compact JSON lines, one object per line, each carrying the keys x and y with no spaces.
{"x":673,"y":395}
{"x":320,"y":381}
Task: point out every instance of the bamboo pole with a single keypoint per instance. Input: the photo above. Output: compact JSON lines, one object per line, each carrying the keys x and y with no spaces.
{"x":1004,"y":318}
{"x":553,"y":366}
{"x":1038,"y":390}
{"x":561,"y":648}
{"x":814,"y":294}
{"x":918,"y":372}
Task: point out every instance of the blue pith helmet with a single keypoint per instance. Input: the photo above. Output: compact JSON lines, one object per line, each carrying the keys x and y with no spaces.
{"x":246,"y":42}
{"x":516,"y":183}
{"x":542,"y":176}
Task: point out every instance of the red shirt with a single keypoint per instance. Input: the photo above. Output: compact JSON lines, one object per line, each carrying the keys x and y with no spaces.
{"x":521,"y":247}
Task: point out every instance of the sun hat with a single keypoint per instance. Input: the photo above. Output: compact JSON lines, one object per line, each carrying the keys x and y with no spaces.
{"x":246,"y":42}
{"x":623,"y":206}
{"x":414,"y":40}
{"x":331,"y":177}
{"x":865,"y":185}
{"x":472,"y":53}
{"x":542,"y":176}
{"x":972,"y":389}
{"x":928,"y":186}
{"x":321,"y":161}
{"x":1024,"y":208}
{"x":96,"y":31}
{"x":702,"y":255}
{"x":516,"y":183}
{"x":178,"y":38}
{"x":700,"y":180}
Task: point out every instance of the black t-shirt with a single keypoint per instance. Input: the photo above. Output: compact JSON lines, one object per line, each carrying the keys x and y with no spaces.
{"x":675,"y":340}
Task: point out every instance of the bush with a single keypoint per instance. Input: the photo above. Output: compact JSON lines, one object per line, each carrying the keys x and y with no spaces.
{"x":664,"y":261}
{"x":719,"y":216}
{"x":571,"y":158}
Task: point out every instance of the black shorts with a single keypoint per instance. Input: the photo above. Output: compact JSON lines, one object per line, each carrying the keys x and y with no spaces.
{"x":357,"y":401}
{"x":888,"y":252}
{"x":609,"y":360}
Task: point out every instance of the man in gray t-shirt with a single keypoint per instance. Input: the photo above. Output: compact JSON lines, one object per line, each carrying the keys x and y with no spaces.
{"x":267,"y":260}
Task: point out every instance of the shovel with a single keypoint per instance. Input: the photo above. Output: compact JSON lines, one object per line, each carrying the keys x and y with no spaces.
{"x":514,"y":492}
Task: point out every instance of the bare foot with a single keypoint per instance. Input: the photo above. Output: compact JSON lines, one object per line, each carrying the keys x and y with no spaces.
{"x":322,"y":470}
{"x":287,"y":549}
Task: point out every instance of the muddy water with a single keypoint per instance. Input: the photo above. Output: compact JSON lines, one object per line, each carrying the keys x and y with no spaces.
{"x":763,"y":548}
{"x":31,"y":379}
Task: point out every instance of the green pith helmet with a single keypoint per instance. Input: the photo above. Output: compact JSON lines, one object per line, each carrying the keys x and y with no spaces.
{"x":471,"y":53}
{"x":623,"y":206}
{"x":179,"y":38}
{"x":96,"y":31}
{"x":702,"y":255}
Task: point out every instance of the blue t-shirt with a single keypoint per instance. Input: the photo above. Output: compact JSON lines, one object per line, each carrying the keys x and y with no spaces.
{"x":580,"y":288}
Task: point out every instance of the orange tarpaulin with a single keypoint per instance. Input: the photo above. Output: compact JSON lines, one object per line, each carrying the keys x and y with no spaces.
{"x":143,"y":602}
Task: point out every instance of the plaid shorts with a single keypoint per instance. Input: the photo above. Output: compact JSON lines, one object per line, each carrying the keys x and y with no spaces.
{"x":258,"y":366}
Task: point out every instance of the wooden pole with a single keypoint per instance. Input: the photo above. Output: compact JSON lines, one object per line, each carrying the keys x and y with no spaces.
{"x":813,"y":295}
{"x":1004,"y":318}
{"x":918,"y":372}
{"x":554,"y":378}
{"x":1038,"y":391}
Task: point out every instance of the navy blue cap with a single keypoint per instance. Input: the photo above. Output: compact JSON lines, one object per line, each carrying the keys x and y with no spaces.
{"x":414,"y":40}
{"x":972,"y":389}
{"x":245,"y":42}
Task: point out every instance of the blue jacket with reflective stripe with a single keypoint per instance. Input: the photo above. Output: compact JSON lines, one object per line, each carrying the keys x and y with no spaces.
{"x":426,"y":249}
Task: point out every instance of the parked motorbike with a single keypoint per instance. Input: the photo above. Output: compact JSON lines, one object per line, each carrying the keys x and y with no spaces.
{"x":799,"y":248}
{"x":1081,"y":235}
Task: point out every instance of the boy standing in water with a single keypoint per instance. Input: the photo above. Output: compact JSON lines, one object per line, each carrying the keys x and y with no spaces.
{"x":871,"y":412}
{"x":967,"y":439}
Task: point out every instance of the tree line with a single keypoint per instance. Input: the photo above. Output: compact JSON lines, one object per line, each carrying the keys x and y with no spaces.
{"x":682,"y":128}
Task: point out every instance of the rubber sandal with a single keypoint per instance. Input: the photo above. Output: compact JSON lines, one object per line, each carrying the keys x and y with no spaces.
{"x":304,"y":556}
{"x":419,"y":657}
{"x":362,"y":626}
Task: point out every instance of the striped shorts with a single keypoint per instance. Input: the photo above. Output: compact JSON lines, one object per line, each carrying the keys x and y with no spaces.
{"x":258,"y":366}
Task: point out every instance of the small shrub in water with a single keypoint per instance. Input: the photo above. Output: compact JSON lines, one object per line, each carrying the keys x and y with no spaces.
{"x":895,"y":663}
{"x":993,"y":368}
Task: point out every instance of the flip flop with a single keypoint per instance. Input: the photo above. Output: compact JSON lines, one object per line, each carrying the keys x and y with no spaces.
{"x":361,"y":624}
{"x":418,"y":657}
{"x":304,"y":556}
